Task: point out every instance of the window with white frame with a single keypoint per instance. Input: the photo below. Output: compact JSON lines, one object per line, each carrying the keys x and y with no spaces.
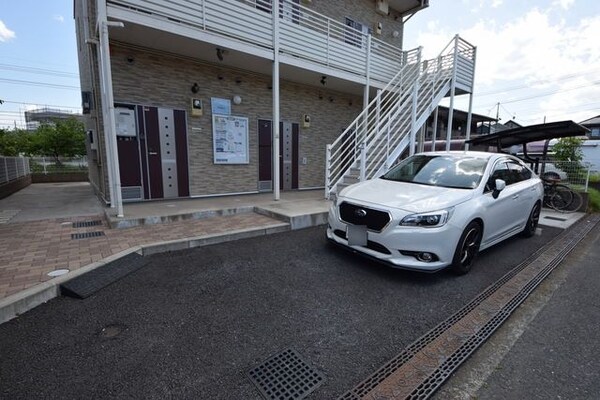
{"x":355,"y":32}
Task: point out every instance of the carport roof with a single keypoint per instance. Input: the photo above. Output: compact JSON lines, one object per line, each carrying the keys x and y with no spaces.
{"x":531,"y":133}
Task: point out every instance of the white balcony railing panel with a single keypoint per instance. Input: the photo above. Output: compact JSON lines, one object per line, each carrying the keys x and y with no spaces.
{"x":304,"y":33}
{"x":238,"y":21}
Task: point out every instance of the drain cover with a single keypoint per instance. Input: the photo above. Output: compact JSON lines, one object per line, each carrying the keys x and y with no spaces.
{"x":85,"y":235}
{"x":556,"y":218}
{"x":285,"y":376}
{"x":85,"y":224}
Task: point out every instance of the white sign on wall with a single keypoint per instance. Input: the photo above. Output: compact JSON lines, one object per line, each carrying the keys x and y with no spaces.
{"x":220,"y":106}
{"x":230,"y":139}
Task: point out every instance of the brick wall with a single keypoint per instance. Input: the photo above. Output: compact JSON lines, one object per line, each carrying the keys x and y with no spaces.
{"x":164,"y":81}
{"x":14,"y":186}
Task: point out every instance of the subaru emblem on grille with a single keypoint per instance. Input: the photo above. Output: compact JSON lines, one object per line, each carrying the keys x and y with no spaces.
{"x":359,"y":212}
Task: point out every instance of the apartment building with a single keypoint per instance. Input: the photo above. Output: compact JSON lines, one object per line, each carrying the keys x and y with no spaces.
{"x":180,"y":96}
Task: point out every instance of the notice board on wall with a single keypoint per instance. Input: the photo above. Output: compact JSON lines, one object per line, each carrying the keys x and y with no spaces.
{"x":230,"y":139}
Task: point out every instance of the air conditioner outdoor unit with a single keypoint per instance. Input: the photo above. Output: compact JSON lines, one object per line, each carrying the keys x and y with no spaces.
{"x":382,"y":7}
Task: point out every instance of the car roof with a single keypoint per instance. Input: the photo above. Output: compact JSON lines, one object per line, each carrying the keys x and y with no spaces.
{"x":460,"y":154}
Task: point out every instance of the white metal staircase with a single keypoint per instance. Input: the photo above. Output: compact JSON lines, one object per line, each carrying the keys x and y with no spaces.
{"x":388,"y":125}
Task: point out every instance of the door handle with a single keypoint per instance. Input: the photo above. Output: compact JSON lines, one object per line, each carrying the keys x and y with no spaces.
{"x":152,"y":153}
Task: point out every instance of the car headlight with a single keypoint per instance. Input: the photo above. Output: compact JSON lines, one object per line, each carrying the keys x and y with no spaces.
{"x":428,"y":220}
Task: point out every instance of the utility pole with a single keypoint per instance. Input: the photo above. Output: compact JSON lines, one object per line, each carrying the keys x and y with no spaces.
{"x":497,"y":112}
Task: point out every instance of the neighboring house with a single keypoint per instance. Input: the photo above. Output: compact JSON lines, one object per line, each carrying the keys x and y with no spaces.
{"x":195,"y":87}
{"x":34,"y":118}
{"x":593,"y":124}
{"x":591,"y":147}
{"x":492,"y":126}
{"x":459,"y":124}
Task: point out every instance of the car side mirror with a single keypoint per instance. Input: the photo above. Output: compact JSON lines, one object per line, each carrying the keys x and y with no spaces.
{"x":499,"y":186}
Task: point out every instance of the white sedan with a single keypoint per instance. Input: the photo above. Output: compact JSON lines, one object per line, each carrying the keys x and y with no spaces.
{"x":435,"y":210}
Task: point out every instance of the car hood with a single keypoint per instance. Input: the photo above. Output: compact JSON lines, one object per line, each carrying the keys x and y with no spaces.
{"x":410,"y":197}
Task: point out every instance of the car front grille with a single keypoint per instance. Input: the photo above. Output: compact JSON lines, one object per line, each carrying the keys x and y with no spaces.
{"x":375,"y":220}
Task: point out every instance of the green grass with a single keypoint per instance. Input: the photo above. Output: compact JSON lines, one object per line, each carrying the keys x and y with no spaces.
{"x":594,"y":200}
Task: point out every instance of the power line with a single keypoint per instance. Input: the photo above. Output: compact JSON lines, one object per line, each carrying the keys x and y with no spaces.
{"x":529,"y":84}
{"x":38,"y":104}
{"x":33,"y":83}
{"x":595,"y":83}
{"x":40,"y":71}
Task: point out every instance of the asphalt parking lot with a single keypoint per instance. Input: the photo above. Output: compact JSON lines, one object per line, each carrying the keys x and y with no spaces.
{"x":191,"y":324}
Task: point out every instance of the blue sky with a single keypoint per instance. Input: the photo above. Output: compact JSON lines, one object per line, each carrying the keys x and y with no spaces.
{"x":38,"y":48}
{"x":538,"y":58}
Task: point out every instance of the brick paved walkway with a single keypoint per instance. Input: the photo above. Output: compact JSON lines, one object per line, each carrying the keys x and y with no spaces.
{"x":29,"y":250}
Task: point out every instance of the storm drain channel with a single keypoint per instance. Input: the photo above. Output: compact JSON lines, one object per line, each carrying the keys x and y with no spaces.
{"x":285,"y":376}
{"x":422,"y":367}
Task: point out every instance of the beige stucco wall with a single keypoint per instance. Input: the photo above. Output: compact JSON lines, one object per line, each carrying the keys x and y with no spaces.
{"x":162,"y":80}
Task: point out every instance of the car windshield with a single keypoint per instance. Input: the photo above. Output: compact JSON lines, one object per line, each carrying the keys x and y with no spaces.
{"x":439,"y":170}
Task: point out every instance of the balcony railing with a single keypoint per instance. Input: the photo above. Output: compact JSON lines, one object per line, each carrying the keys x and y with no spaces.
{"x":304,"y":34}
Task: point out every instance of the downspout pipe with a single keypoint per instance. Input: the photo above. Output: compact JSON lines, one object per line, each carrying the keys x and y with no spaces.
{"x":108,"y":103}
{"x":275,"y":124}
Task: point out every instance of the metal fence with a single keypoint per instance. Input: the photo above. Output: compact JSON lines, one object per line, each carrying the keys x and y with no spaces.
{"x":12,"y":168}
{"x":574,"y":174}
{"x":44,"y":165}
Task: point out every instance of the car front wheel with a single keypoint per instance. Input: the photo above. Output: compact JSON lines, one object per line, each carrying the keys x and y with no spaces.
{"x":532,"y":221}
{"x":467,"y":249}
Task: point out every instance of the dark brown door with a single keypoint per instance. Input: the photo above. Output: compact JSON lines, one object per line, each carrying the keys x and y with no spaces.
{"x":265,"y":156}
{"x":163,"y":148}
{"x":153,"y":156}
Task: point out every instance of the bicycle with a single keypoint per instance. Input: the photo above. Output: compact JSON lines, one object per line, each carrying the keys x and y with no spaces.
{"x":560,"y":197}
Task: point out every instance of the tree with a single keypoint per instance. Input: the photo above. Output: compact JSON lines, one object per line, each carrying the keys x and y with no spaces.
{"x":15,"y":142}
{"x":568,"y":149}
{"x":61,"y":138}
{"x":568,"y":156}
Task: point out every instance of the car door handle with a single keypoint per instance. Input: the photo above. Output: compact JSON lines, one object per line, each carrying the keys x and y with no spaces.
{"x":516,"y":196}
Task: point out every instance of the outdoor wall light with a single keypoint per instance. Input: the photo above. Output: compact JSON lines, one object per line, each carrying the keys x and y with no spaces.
{"x":221,"y":53}
{"x":323,"y":80}
{"x":237,"y":99}
{"x":195,"y":88}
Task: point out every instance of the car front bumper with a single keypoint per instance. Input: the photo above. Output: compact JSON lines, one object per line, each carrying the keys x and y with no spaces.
{"x":398,"y":246}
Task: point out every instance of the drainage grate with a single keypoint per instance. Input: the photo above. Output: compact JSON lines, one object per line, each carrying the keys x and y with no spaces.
{"x":86,"y":224}
{"x":546,"y":259}
{"x":555,"y":218}
{"x":285,"y":376}
{"x":85,"y":235}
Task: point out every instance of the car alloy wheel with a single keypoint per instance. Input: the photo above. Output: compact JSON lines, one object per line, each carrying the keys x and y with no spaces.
{"x":532,"y":221}
{"x":467,"y":249}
